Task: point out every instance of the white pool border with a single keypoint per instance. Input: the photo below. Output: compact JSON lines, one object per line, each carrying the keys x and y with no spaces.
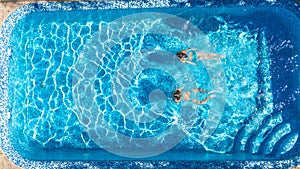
{"x":5,"y":53}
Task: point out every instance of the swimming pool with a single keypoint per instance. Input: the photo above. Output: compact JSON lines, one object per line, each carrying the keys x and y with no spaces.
{"x":253,"y":116}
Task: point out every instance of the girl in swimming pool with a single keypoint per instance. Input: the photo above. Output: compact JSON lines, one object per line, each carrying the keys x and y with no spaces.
{"x":177,"y":96}
{"x":186,"y":56}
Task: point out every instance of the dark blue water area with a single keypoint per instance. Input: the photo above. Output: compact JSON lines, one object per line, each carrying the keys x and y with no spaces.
{"x":284,"y":52}
{"x":277,"y":32}
{"x":285,"y":71}
{"x":283,"y":48}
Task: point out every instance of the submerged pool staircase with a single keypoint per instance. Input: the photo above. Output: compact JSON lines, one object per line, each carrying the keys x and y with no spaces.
{"x":264,"y":131}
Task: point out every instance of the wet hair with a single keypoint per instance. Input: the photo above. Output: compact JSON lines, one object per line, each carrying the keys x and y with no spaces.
{"x":181,"y":55}
{"x":177,"y":94}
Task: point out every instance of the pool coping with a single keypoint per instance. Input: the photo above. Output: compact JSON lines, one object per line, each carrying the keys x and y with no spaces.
{"x":7,"y":148}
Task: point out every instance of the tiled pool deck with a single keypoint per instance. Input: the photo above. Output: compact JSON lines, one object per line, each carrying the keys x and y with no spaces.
{"x":5,"y":9}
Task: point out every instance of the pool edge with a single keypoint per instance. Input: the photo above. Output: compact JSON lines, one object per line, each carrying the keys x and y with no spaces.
{"x":12,"y":19}
{"x":8,"y":8}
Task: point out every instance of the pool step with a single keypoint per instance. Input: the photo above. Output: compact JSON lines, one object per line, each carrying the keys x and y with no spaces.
{"x":256,"y":138}
{"x":285,"y":144}
{"x":270,"y":141}
{"x":273,"y":138}
{"x":263,"y":131}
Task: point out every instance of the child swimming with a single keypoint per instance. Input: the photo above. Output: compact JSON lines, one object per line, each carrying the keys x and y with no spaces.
{"x":177,"y":96}
{"x":186,"y":56}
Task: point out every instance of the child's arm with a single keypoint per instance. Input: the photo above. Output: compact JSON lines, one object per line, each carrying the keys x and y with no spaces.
{"x":190,"y":49}
{"x":204,"y":100}
{"x":191,"y":63}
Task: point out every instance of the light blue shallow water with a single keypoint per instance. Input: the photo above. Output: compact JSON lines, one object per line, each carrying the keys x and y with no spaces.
{"x":41,"y":71}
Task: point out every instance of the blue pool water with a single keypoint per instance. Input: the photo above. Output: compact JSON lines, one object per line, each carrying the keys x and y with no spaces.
{"x":253,"y":117}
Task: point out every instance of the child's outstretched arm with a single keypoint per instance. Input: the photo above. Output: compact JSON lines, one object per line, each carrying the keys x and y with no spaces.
{"x":204,"y":100}
{"x":191,"y":63}
{"x":191,"y":49}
